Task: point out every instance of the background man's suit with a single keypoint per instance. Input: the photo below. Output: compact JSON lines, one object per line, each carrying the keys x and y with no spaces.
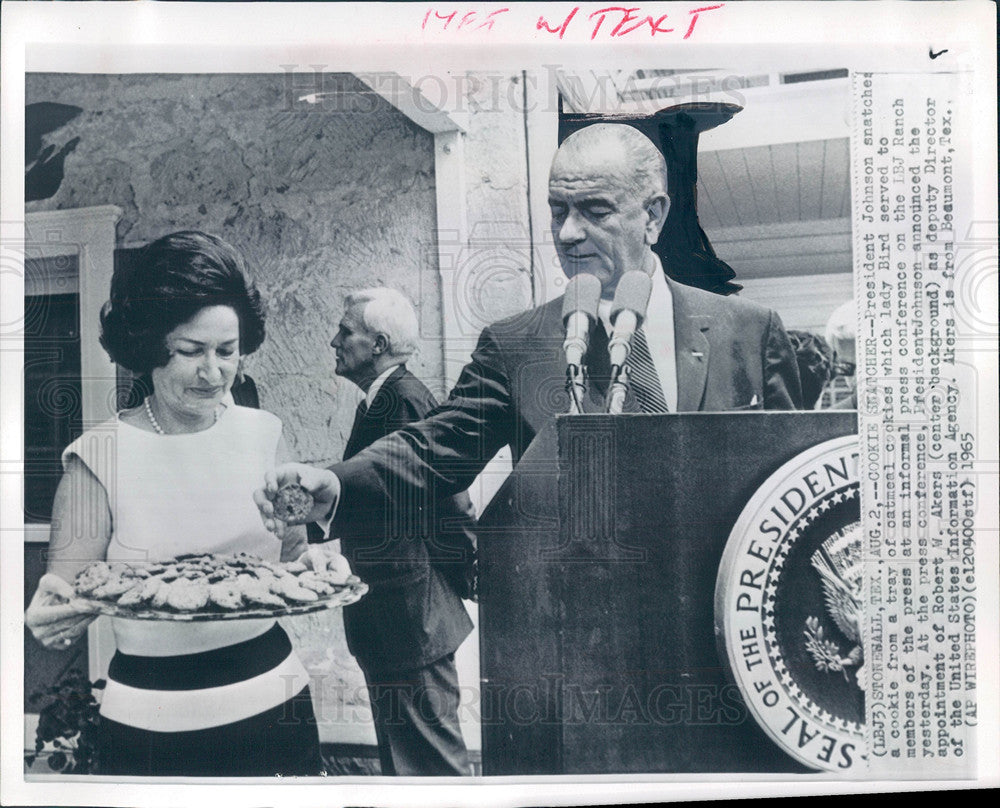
{"x":405,"y":631}
{"x":731,"y":354}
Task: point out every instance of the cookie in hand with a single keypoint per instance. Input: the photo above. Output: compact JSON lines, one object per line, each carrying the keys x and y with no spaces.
{"x":292,"y":503}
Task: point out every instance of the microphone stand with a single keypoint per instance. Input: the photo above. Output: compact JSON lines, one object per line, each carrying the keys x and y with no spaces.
{"x":617,"y":390}
{"x":576,"y":386}
{"x":580,"y":302}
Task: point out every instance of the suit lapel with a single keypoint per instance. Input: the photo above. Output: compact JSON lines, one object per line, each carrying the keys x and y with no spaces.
{"x":380,"y":406}
{"x":370,"y":426}
{"x":692,"y":350}
{"x":389,"y":383}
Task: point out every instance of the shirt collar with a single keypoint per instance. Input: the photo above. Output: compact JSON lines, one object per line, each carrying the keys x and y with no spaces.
{"x":377,"y":384}
{"x":660,"y":298}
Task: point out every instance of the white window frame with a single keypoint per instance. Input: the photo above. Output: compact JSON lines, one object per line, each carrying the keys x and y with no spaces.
{"x":88,"y":234}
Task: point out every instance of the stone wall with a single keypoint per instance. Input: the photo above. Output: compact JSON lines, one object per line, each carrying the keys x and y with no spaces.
{"x":322,"y":199}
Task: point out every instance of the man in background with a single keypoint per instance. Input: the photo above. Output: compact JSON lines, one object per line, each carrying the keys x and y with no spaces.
{"x":404,"y":632}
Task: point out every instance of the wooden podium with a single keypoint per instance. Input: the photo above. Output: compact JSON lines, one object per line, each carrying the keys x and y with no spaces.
{"x":598,"y":562}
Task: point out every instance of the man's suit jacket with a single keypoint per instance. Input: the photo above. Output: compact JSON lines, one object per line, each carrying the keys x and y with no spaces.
{"x":411,"y":615}
{"x":731,"y":354}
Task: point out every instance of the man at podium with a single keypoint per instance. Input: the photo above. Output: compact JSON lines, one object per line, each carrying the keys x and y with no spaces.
{"x":689,"y":350}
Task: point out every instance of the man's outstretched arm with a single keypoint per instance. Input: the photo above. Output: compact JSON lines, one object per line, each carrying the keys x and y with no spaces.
{"x":422,"y":462}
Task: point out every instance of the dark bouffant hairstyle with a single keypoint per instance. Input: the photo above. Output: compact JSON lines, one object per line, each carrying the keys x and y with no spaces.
{"x":815,"y":361}
{"x":172,"y":279}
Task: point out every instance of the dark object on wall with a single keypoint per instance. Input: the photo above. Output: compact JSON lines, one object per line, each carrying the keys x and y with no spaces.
{"x":43,"y":167}
{"x":683,"y":247}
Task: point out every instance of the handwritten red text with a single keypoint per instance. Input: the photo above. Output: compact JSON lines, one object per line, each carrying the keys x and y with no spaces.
{"x":473,"y":20}
{"x":623,"y":20}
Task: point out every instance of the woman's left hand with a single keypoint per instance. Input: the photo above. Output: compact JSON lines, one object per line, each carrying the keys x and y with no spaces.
{"x":55,"y":616}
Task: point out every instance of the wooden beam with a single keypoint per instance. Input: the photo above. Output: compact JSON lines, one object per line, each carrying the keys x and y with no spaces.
{"x":427,"y":113}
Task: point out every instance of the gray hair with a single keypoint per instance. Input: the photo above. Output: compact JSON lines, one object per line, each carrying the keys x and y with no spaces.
{"x":388,"y":312}
{"x":647,"y":170}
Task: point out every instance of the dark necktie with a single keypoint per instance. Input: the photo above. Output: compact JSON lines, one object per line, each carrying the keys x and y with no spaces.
{"x":359,"y":415}
{"x":356,"y":440}
{"x":643,"y":378}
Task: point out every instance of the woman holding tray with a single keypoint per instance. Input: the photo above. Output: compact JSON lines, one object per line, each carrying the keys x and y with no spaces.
{"x":171,"y":476}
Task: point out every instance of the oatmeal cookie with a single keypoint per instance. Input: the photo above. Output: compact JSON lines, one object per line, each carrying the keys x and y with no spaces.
{"x":292,"y":503}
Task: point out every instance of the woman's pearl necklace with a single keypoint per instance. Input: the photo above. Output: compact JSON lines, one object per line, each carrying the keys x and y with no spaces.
{"x":156,"y":424}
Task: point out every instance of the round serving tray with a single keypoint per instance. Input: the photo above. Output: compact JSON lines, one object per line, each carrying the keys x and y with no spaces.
{"x":349,"y":593}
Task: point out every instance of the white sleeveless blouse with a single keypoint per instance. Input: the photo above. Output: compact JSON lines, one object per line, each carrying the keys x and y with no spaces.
{"x":185,"y":493}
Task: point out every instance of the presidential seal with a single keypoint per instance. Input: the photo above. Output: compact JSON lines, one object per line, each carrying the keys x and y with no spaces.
{"x":788,"y":607}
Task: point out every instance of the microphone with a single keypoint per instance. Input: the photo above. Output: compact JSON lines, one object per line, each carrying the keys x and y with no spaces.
{"x":627,"y":313}
{"x":579,"y":312}
{"x":628,"y":310}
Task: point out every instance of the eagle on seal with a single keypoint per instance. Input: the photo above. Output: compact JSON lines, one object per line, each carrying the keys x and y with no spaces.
{"x":837,"y":561}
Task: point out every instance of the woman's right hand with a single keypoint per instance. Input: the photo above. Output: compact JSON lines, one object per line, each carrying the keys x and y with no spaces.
{"x":55,"y":616}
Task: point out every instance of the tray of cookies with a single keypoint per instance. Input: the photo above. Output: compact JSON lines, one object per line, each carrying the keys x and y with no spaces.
{"x":210,"y":586}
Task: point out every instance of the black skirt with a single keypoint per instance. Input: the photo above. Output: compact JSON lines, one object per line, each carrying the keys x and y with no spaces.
{"x":283,"y":740}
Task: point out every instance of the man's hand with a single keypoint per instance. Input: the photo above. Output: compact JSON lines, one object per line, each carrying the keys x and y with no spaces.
{"x":55,"y":615}
{"x":322,"y":484}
